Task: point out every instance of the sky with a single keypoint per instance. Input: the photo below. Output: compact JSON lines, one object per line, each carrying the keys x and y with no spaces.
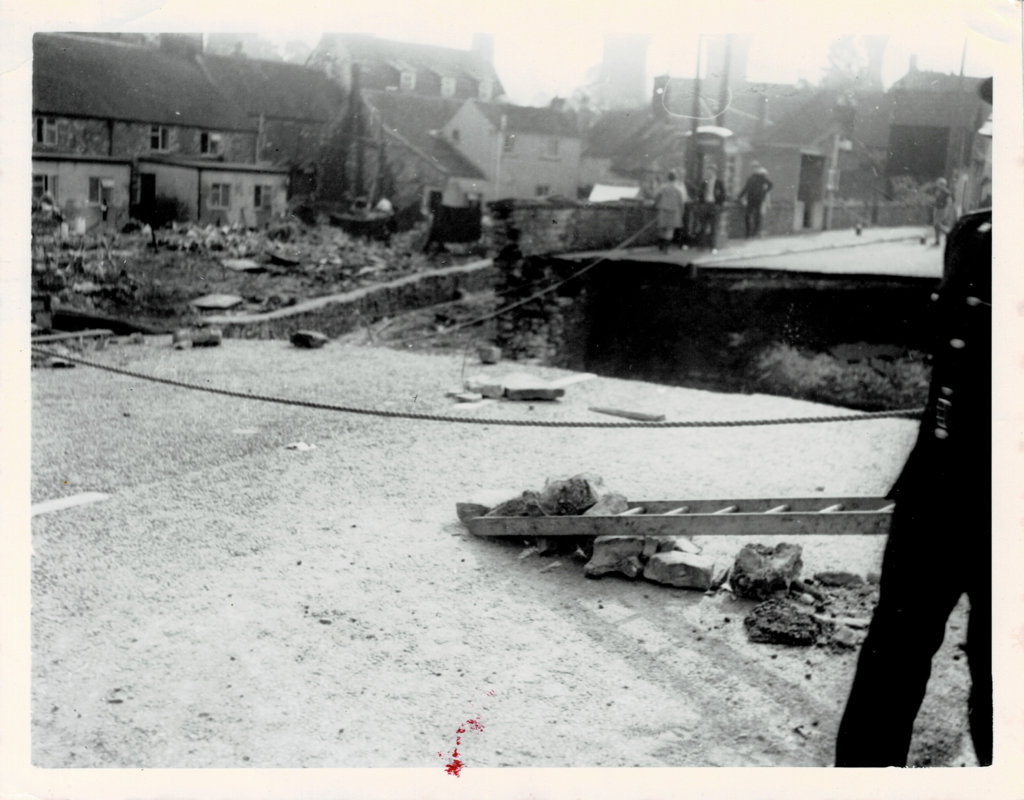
{"x":543,"y":48}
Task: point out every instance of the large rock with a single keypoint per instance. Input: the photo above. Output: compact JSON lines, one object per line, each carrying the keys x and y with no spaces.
{"x":781,"y":622}
{"x":615,"y":554}
{"x":760,"y":570}
{"x":571,"y":497}
{"x":838,"y":579}
{"x":485,"y":385}
{"x":308,"y":339}
{"x":682,"y":570}
{"x":608,"y":504}
{"x":667,"y":544}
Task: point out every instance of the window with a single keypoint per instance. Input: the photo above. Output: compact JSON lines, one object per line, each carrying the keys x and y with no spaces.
{"x":551,"y":148}
{"x":220,"y":195}
{"x":455,"y":135}
{"x":41,"y":184}
{"x":447,"y":87}
{"x":485,"y":90}
{"x":408,"y":80}
{"x":262,"y":196}
{"x":543,"y":190}
{"x":209,"y":143}
{"x":99,"y":190}
{"x":510,"y":143}
{"x":158,"y":137}
{"x":46,"y":130}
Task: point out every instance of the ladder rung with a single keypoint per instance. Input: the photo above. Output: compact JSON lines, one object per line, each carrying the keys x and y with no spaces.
{"x":676,"y":511}
{"x":727,"y":510}
{"x":631,"y":512}
{"x":778,"y":509}
{"x":832,"y":509}
{"x":887,"y":509}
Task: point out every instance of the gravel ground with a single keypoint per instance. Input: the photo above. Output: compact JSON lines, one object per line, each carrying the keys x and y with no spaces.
{"x":238,"y":604}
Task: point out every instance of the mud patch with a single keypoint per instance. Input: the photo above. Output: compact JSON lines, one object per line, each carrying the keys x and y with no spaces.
{"x":780,"y":622}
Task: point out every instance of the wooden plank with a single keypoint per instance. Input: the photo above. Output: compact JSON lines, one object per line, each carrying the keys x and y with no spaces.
{"x":637,"y":415}
{"x":67,"y":502}
{"x":59,"y":337}
{"x":805,"y":523}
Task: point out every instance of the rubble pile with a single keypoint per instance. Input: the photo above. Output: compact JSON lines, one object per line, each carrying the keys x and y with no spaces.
{"x":831,"y":609}
{"x":155,"y":273}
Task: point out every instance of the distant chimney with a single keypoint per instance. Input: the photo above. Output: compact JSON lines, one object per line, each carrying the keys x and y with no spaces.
{"x":558,"y":104}
{"x":483,"y":46}
{"x":913,"y":63}
{"x":183,"y":45}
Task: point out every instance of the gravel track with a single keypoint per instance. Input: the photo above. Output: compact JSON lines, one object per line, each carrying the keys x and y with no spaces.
{"x":254,"y":606}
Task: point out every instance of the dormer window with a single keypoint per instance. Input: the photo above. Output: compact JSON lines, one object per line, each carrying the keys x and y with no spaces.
{"x":158,"y":137}
{"x":408,"y":80}
{"x":46,"y":130}
{"x":210,"y":143}
{"x":485,"y":90}
{"x":447,"y":87}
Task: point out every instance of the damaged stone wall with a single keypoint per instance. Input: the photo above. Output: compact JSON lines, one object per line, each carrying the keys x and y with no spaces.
{"x":565,"y":226}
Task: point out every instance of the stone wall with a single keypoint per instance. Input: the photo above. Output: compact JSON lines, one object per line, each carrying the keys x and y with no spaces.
{"x":566,"y":227}
{"x":340,"y":314}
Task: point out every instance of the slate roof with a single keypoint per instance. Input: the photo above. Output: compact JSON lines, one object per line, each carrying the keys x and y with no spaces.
{"x":529,"y":119}
{"x":76,"y":76}
{"x":443,"y":61}
{"x":612,"y":129}
{"x":276,"y":89}
{"x":814,"y":119}
{"x":414,"y":118}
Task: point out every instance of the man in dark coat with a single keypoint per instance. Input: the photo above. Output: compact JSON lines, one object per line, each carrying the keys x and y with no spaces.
{"x":755,"y":191}
{"x":710,"y":198}
{"x":940,"y":543}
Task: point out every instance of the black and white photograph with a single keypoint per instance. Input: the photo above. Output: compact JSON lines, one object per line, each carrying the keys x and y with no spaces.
{"x":433,"y":389}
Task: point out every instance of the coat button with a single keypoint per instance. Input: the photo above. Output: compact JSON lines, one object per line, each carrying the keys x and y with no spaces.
{"x":941,"y":433}
{"x":957,"y":344}
{"x":973,"y":301}
{"x":946,"y":391}
{"x":935,"y":296}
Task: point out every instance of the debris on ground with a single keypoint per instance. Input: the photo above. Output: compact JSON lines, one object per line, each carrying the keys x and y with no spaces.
{"x":217,"y":302}
{"x":615,"y":554}
{"x":489,"y":354}
{"x":521,"y":386}
{"x":838,"y":579}
{"x":484,"y":385}
{"x":682,"y":570}
{"x":308,"y":339}
{"x":300,"y":446}
{"x":207,"y":337}
{"x":779,"y":621}
{"x":635,"y":415}
{"x":760,"y":570}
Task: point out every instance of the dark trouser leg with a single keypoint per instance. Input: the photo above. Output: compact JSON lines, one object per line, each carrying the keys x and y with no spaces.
{"x":895,"y":660}
{"x":979,"y":657}
{"x":750,"y":220}
{"x":757,"y":219}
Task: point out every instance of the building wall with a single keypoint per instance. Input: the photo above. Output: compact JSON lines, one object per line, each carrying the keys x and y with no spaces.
{"x":528,"y":166}
{"x":80,"y":136}
{"x":478,"y":140}
{"x":72,"y":194}
{"x":242,"y":208}
{"x":177,"y":182}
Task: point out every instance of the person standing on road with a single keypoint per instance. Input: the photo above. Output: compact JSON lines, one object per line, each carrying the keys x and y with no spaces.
{"x":670,"y":201}
{"x":755,"y":192}
{"x":710,"y":199}
{"x":942,"y":212}
{"x":943,"y":506}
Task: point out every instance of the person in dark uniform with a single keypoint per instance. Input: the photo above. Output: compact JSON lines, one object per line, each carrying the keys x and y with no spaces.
{"x":710,"y":199}
{"x":755,"y":192}
{"x":940,"y":543}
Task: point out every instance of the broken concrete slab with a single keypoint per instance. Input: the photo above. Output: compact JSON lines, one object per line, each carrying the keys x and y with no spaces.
{"x":615,"y":554}
{"x":468,"y":397}
{"x":846,"y":637}
{"x":760,"y":570}
{"x":521,"y":386}
{"x":308,"y":340}
{"x":243,"y":265}
{"x":667,"y":544}
{"x":217,"y":301}
{"x":682,"y":570}
{"x":838,"y":579}
{"x":485,"y":385}
{"x":781,"y":622}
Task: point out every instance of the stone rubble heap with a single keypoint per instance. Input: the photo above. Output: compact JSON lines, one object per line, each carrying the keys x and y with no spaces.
{"x":788,"y":611}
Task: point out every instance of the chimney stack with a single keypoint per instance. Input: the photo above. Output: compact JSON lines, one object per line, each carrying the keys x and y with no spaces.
{"x":913,"y":63}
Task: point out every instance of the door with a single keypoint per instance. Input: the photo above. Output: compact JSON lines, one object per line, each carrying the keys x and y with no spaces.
{"x":147,"y":194}
{"x":809,"y":191}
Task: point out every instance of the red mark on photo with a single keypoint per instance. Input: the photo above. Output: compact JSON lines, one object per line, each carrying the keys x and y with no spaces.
{"x":455,"y":764}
